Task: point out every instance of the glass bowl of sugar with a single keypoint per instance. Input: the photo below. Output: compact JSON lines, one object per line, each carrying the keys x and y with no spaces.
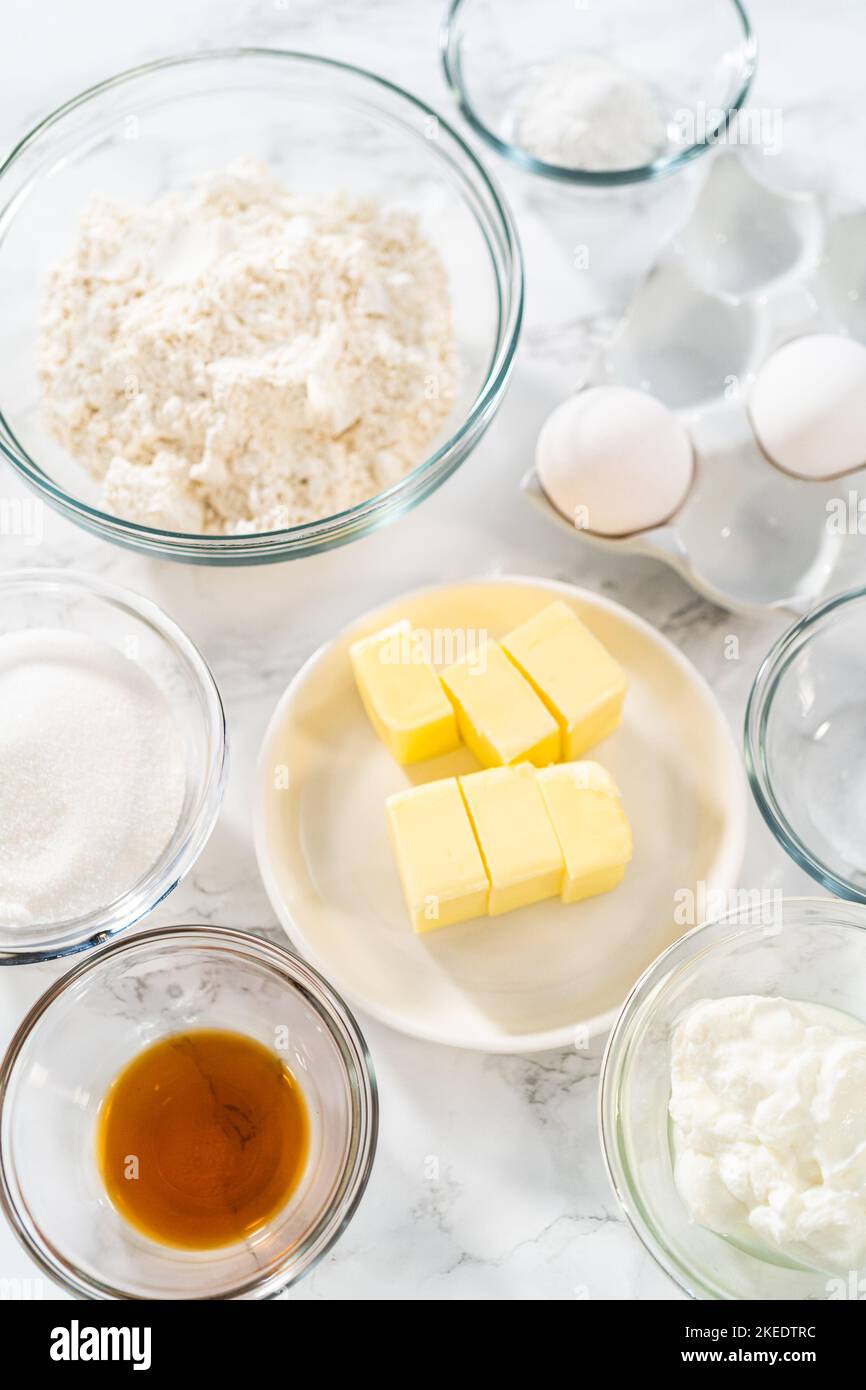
{"x":112,"y":761}
{"x":602,"y":94}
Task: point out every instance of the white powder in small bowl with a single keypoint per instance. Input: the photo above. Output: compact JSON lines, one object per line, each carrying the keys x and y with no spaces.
{"x":92,"y":775}
{"x":583,"y":112}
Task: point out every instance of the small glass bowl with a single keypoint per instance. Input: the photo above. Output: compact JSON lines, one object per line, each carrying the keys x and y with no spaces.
{"x":805,"y":743}
{"x":320,"y":126}
{"x":83,"y":1031}
{"x":811,"y":949}
{"x":140,"y":629}
{"x":698,"y":60}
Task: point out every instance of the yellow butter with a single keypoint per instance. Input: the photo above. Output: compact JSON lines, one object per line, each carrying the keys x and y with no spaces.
{"x":575,"y":676}
{"x":403,"y":695}
{"x":499,"y":715}
{"x":521,"y":852}
{"x":594,"y":835}
{"x":443,"y":875}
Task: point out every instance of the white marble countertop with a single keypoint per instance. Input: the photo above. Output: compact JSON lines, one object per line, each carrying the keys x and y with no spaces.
{"x":521,"y":1207}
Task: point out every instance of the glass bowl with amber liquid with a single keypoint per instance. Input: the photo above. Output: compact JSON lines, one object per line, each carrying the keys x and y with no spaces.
{"x":187,"y":1114}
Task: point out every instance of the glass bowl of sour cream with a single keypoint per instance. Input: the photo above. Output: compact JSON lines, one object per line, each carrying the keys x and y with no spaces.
{"x":732,"y":1104}
{"x":113,"y":761}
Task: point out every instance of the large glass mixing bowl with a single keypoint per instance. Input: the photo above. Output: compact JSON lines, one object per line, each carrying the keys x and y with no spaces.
{"x":321,"y":127}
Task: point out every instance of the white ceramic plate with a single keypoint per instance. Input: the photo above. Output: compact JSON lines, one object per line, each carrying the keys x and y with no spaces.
{"x":546,"y":976}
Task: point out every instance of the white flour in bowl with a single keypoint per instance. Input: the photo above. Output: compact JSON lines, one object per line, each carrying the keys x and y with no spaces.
{"x":243,"y":359}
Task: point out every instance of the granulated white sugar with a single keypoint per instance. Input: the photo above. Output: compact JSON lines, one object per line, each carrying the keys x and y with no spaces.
{"x":92,"y":775}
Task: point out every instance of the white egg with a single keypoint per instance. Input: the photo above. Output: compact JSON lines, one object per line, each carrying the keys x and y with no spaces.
{"x":808,"y":406}
{"x":614,"y":461}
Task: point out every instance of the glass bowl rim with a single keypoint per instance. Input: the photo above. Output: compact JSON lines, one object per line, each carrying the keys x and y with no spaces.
{"x":307,"y":538}
{"x":684,"y":952}
{"x":351,"y":1044}
{"x":107,"y":921}
{"x":589,"y":178}
{"x":758,"y":710}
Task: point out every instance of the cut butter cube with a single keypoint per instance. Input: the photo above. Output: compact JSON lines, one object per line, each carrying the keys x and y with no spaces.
{"x":403,"y":695}
{"x":499,"y":715}
{"x":594,"y":835}
{"x":521,"y":852}
{"x":575,"y":676}
{"x":443,"y":875}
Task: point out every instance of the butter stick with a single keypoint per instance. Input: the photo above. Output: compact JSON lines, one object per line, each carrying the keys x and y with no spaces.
{"x":521,"y":852}
{"x":575,"y":676}
{"x":402,"y":694}
{"x":584,"y":806}
{"x":440,"y":865}
{"x":499,"y":715}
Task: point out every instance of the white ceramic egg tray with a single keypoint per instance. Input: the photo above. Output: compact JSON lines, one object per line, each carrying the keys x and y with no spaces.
{"x":752,"y":268}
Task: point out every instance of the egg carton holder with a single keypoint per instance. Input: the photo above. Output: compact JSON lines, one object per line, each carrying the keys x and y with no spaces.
{"x":751,"y":269}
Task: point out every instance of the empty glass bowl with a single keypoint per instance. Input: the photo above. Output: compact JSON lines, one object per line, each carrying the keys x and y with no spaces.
{"x":321,"y":127}
{"x":146,"y":635}
{"x":805,"y":743}
{"x":84,"y":1030}
{"x":809,"y":949}
{"x":697,"y":61}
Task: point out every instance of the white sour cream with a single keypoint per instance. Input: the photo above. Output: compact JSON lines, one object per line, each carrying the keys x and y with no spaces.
{"x":768,"y":1103}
